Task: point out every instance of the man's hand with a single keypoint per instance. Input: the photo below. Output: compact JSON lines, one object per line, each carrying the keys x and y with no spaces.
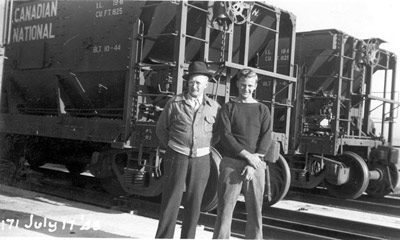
{"x":254,"y":160}
{"x":248,"y":173}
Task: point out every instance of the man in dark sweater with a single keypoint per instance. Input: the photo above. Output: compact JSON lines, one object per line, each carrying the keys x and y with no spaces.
{"x":246,"y":135}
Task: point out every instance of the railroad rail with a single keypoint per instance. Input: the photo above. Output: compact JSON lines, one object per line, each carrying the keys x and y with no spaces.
{"x":278,"y":223}
{"x":389,"y":205}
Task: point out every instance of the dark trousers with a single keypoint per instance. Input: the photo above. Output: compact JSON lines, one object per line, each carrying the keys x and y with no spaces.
{"x":182,"y":172}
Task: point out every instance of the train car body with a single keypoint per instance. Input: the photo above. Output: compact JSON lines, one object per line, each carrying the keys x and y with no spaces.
{"x":85,"y":81}
{"x":343,"y":117}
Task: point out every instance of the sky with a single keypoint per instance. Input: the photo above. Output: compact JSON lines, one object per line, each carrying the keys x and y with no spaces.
{"x":359,"y":18}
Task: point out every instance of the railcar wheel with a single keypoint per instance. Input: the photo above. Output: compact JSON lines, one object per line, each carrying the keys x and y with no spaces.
{"x":35,"y":150}
{"x":383,"y":187}
{"x":279,"y":181}
{"x":35,"y":163}
{"x":358,"y":177}
{"x":76,"y":168}
{"x":35,"y":157}
{"x":210,"y":198}
{"x":112,"y":186}
{"x":8,"y":168}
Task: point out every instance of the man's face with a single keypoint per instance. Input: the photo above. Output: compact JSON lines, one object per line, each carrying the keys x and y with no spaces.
{"x":246,"y":87}
{"x":197,"y":84}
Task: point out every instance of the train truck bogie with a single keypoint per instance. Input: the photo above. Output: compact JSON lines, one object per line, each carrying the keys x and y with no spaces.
{"x":354,"y":178}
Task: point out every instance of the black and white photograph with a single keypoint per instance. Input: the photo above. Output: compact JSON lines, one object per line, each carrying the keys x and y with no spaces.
{"x":182,"y":119}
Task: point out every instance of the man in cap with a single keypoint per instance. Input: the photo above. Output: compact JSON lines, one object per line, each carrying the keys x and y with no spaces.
{"x":185,"y":128}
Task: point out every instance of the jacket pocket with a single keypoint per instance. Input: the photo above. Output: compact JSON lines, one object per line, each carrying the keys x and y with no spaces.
{"x":208,"y":123}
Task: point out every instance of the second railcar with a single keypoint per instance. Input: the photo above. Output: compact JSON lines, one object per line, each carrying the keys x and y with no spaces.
{"x":345,"y":108}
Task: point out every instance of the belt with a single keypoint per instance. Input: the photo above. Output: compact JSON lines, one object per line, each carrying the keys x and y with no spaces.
{"x":194,"y":152}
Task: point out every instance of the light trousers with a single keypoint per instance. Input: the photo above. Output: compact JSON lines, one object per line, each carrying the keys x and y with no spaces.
{"x":230,"y":184}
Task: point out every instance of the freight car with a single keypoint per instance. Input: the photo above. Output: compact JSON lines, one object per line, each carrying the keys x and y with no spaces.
{"x":85,"y":81}
{"x":343,"y":116}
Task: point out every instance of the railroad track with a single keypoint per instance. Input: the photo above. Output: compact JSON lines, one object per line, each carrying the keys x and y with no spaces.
{"x":389,"y":205}
{"x":279,"y":223}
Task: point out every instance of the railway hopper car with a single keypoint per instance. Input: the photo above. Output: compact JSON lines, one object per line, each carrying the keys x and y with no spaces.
{"x":85,"y":81}
{"x":346,"y":104}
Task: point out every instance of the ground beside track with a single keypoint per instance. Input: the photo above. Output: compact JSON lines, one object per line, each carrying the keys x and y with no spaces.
{"x":27,"y":215}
